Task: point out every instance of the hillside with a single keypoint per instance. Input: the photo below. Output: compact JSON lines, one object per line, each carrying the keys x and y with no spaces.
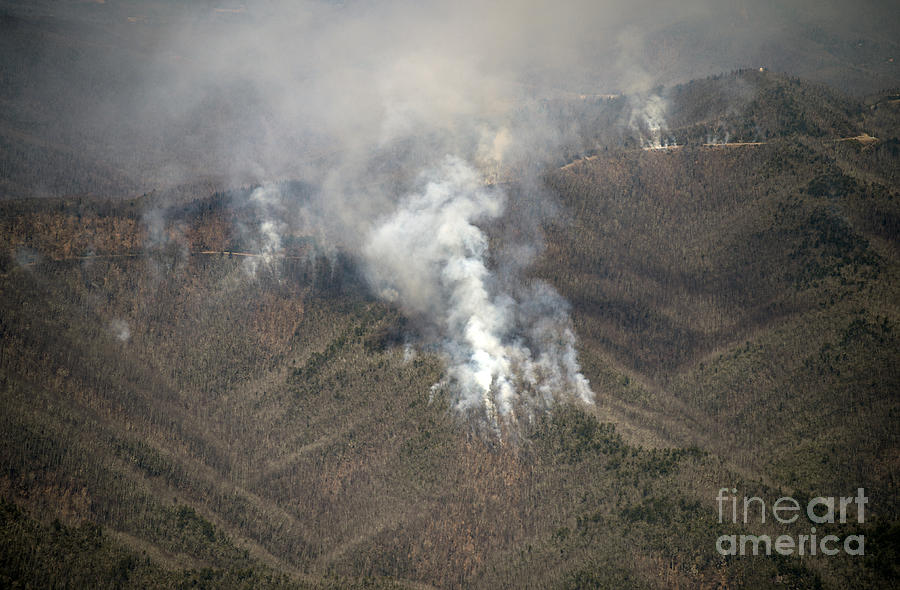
{"x":180,"y":411}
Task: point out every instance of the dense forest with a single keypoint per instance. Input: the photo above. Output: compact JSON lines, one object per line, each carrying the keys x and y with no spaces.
{"x":179,"y":413}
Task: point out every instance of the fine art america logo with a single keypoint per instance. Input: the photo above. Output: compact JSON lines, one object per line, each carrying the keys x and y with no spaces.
{"x":786,"y":511}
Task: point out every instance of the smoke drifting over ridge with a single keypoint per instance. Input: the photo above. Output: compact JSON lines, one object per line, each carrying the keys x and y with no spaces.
{"x":168,"y":92}
{"x":395,"y":111}
{"x":412,"y":112}
{"x":269,"y":89}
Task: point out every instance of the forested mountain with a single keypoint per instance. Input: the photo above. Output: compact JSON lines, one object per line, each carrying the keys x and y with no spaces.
{"x":179,"y":411}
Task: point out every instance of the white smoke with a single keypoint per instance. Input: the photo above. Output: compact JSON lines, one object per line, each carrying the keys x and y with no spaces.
{"x":507,"y":353}
{"x":720,"y":135}
{"x":120,"y":329}
{"x":648,"y":119}
{"x":269,"y":205}
{"x":355,"y":99}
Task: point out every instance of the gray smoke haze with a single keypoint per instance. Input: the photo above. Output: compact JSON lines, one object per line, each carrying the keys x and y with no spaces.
{"x":294,"y":84}
{"x":152,"y":93}
{"x":400,"y":113}
{"x":254,"y":91}
{"x":399,"y":116}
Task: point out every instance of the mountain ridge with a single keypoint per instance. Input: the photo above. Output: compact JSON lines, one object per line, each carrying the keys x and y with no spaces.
{"x":736,"y":314}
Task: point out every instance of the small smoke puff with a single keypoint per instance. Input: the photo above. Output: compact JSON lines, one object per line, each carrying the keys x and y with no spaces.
{"x":409,"y":353}
{"x":155,"y":223}
{"x":389,"y":295}
{"x":269,"y":204}
{"x":120,"y":330}
{"x":26,"y":257}
{"x":648,"y":118}
{"x":491,"y":149}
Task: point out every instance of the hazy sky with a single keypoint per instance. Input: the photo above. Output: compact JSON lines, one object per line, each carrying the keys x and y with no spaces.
{"x":255,"y":90}
{"x":358,"y":76}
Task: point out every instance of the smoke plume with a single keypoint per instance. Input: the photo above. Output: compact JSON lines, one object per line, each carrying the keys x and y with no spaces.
{"x":648,"y":120}
{"x":504,"y":352}
{"x":398,"y":113}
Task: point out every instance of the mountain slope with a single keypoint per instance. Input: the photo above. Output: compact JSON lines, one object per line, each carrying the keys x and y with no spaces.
{"x":227,"y":420}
